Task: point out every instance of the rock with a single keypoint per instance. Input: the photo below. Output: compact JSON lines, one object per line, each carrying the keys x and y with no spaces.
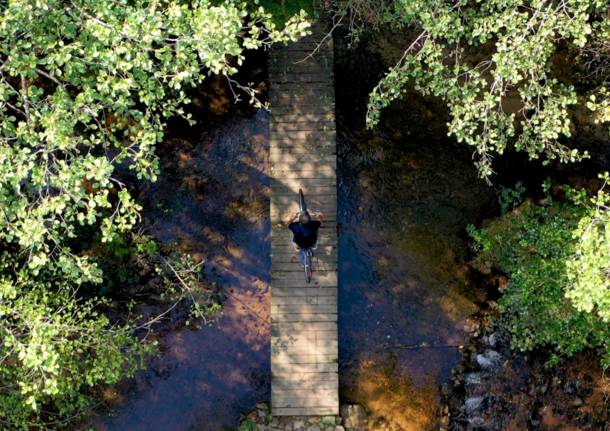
{"x":353,"y":416}
{"x":262,"y":411}
{"x":252,"y":417}
{"x":491,"y":340}
{"x":314,"y":428}
{"x":330,"y":420}
{"x":569,"y":388}
{"x":577,"y":402}
{"x":477,"y":422}
{"x":339,"y":428}
{"x":488,"y":360}
{"x":298,"y":426}
{"x":472,"y":379}
{"x":473,"y":404}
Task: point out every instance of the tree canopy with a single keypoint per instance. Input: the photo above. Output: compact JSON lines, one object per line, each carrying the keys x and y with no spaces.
{"x":499,"y":65}
{"x":86,"y":86}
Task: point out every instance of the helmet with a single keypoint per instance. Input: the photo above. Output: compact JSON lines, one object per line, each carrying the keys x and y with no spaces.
{"x":304,"y":217}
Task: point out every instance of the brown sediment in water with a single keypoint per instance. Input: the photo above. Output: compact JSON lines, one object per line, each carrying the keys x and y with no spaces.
{"x":391,"y":397}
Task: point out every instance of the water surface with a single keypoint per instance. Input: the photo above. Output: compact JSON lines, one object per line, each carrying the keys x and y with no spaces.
{"x":406,"y":195}
{"x":211,"y":200}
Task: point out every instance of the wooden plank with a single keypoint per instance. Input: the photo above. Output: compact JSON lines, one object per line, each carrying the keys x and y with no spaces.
{"x":305,"y":384}
{"x":278,"y":367}
{"x":288,"y":350}
{"x":284,"y":252}
{"x":297,"y":317}
{"x":319,"y":126}
{"x":281,"y":189}
{"x":316,"y":395}
{"x":284,"y":99}
{"x":302,"y":118}
{"x":280,"y":327}
{"x":304,"y":291}
{"x":303,"y":308}
{"x":305,"y":411}
{"x":298,"y":107}
{"x":316,"y":76}
{"x":290,"y":210}
{"x":278,"y":216}
{"x":286,"y":157}
{"x":300,"y":58}
{"x":299,"y":300}
{"x":318,"y":265}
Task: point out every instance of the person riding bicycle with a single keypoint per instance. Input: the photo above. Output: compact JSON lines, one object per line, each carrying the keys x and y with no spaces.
{"x":304,"y":229}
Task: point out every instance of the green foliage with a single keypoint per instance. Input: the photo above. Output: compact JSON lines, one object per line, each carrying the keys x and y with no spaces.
{"x":53,"y":346}
{"x":283,"y":10}
{"x":588,"y":269}
{"x":247,"y":425}
{"x":86,"y":85}
{"x":509,"y":198}
{"x":493,"y":63}
{"x":558,"y":261}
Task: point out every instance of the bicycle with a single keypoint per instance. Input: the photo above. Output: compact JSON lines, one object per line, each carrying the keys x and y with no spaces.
{"x":306,"y":254}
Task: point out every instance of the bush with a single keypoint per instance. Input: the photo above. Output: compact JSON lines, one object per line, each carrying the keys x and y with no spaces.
{"x":557,"y":258}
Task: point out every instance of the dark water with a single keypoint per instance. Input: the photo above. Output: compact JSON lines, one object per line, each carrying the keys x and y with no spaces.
{"x":211,"y":201}
{"x":405,"y":198}
{"x":406,"y":195}
{"x":403,"y":210}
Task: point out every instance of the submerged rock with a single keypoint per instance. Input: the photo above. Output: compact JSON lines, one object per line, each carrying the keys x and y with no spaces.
{"x":474,"y":378}
{"x":491,"y":340}
{"x":490,"y":360}
{"x":477,"y":422}
{"x":473,"y":404}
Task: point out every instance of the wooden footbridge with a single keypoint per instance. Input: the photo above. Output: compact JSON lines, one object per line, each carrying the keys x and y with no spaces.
{"x":303,"y":155}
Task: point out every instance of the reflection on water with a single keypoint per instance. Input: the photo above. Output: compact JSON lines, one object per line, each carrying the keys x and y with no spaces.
{"x":211,"y":201}
{"x":405,"y":199}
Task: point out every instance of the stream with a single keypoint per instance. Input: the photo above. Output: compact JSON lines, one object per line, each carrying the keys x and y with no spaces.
{"x":406,"y":194}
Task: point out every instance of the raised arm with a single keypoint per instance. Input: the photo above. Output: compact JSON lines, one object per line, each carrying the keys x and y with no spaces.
{"x":292,"y":219}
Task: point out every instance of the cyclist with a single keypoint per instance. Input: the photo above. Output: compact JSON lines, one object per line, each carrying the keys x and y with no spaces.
{"x":304,"y":230}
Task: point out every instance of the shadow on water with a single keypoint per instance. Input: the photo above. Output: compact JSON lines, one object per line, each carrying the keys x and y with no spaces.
{"x":212,"y":201}
{"x":405,"y":199}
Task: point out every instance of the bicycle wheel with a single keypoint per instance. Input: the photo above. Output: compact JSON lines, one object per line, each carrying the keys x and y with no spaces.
{"x":307,"y":266}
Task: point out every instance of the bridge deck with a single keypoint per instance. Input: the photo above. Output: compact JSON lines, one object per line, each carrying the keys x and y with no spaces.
{"x":303,"y":155}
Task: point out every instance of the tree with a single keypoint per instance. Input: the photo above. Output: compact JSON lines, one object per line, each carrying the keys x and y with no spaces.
{"x":495,"y":63}
{"x":86,"y":85}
